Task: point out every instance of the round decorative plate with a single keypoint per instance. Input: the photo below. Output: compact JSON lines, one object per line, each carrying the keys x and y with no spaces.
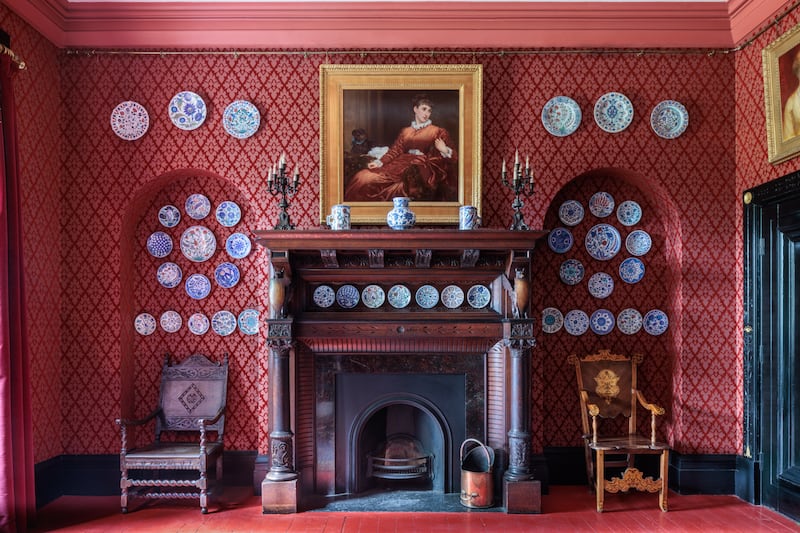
{"x":171,"y":321}
{"x":241,"y":119}
{"x":602,"y":321}
{"x":655,"y":322}
{"x":324,"y":296}
{"x":187,"y":110}
{"x":238,"y":245}
{"x":638,"y":242}
{"x":571,"y":212}
{"x":223,"y":323}
{"x":228,"y":213}
{"x":373,"y":296}
{"x":629,"y":213}
{"x":603,"y":242}
{"x":145,"y":324}
{"x":629,"y":321}
{"x":452,"y":296}
{"x":576,"y":322}
{"x":198,"y":244}
{"x":129,"y":120}
{"x":347,"y":296}
{"x":198,"y":286}
{"x":198,"y":206}
{"x":399,"y":296}
{"x":631,"y":270}
{"x":601,"y":285}
{"x":159,"y":244}
{"x":561,"y":116}
{"x":552,"y":320}
{"x":169,"y":216}
{"x":669,"y":119}
{"x":169,"y":275}
{"x":560,"y":240}
{"x":427,"y":296}
{"x":227,"y":275}
{"x":613,"y":112}
{"x":198,"y":323}
{"x":601,"y":204}
{"x":571,"y":271}
{"x":478,"y":296}
{"x":248,"y":322}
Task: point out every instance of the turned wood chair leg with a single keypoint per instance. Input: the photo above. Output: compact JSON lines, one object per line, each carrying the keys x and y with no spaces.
{"x":600,"y":478}
{"x":662,"y":497}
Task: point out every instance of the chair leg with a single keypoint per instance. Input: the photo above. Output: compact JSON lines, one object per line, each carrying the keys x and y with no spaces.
{"x":662,"y":496}
{"x":123,"y":484}
{"x":600,"y":478}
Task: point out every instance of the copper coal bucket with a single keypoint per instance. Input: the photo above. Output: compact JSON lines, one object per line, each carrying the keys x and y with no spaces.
{"x":477,"y":484}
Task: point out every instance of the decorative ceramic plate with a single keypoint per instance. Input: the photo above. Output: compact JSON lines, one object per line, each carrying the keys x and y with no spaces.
{"x":552,"y":320}
{"x":129,"y":120}
{"x":198,"y":206}
{"x":602,"y":321}
{"x":452,"y":296}
{"x":561,"y":116}
{"x":227,"y":275}
{"x":198,"y":286}
{"x":669,"y":119}
{"x":629,"y":321}
{"x":601,"y":285}
{"x":631,"y":270}
{"x":478,"y":296}
{"x":187,"y":110}
{"x":655,"y":322}
{"x":399,"y":296}
{"x":223,"y":323}
{"x":571,"y":271}
{"x":613,"y":112}
{"x":324,"y":296}
{"x":248,"y":322}
{"x":198,"y":323}
{"x":169,"y":216}
{"x":576,"y":322}
{"x":171,"y":321}
{"x":638,"y":242}
{"x":601,"y":204}
{"x":198,"y":244}
{"x":159,"y":244}
{"x":347,"y":296}
{"x":603,"y":242}
{"x":145,"y":324}
{"x":560,"y":240}
{"x":629,"y":213}
{"x":427,"y":296}
{"x":571,"y":212}
{"x":228,"y":213}
{"x":169,"y":275}
{"x":373,"y":296}
{"x":241,"y":119}
{"x":238,"y":245}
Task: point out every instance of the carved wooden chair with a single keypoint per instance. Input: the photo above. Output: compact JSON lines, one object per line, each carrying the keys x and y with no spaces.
{"x":191,"y":403}
{"x":607,"y":389}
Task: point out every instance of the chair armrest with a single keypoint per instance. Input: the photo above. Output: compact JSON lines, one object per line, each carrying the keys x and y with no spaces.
{"x":138,"y":422}
{"x":211,"y":421}
{"x":655,"y":410}
{"x":593,"y":412}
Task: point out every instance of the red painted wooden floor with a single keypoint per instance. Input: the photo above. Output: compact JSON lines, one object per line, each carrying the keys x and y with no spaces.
{"x":566,"y":508}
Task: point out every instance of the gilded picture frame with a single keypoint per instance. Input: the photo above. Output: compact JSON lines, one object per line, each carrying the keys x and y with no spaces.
{"x":781,"y":63}
{"x":366,"y":110}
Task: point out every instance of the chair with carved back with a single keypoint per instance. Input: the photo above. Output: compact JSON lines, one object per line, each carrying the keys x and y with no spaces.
{"x":190,"y":412}
{"x":608,"y":390}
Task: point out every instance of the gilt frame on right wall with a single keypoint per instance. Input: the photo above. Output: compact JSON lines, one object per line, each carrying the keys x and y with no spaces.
{"x":781,"y":62}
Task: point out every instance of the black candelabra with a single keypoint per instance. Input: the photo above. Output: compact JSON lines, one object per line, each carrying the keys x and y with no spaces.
{"x":278,"y":182}
{"x":522,"y":184}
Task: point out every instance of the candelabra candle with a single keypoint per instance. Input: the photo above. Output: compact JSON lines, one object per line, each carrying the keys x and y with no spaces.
{"x":521,"y":183}
{"x":280,"y":183}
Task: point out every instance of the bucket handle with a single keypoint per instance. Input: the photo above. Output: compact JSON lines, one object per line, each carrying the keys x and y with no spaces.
{"x":489,"y":456}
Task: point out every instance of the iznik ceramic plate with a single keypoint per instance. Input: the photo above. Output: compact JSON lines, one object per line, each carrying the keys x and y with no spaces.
{"x":198,"y":244}
{"x":629,"y":321}
{"x":560,"y":240}
{"x":248,"y":322}
{"x":552,"y":320}
{"x":669,"y":119}
{"x":241,"y":119}
{"x":198,"y":206}
{"x":399,"y":296}
{"x":601,"y":204}
{"x":324,"y":296}
{"x":629,"y":213}
{"x":373,"y":296}
{"x":169,"y":216}
{"x":347,"y":296}
{"x":601,"y":285}
{"x":187,"y":110}
{"x":576,"y":322}
{"x":145,"y":324}
{"x":228,"y":213}
{"x":238,"y":245}
{"x":129,"y":120}
{"x":603,"y":242}
{"x":171,"y":321}
{"x":227,"y":275}
{"x":571,"y":271}
{"x":478,"y":296}
{"x":655,"y":322}
{"x":638,"y":242}
{"x":198,"y":323}
{"x":159,"y":244}
{"x":571,"y":212}
{"x":169,"y":275}
{"x":198,"y":286}
{"x":631,"y":270}
{"x":602,"y":321}
{"x":452,"y":296}
{"x":223,"y":323}
{"x":427,"y":296}
{"x":561,"y":116}
{"x":613,"y":112}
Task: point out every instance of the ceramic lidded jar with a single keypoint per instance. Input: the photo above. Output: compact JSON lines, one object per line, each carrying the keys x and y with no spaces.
{"x":400,"y":217}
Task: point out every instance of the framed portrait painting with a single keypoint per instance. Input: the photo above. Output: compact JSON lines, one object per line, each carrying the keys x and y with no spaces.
{"x":391,"y":131}
{"x":781,"y":62}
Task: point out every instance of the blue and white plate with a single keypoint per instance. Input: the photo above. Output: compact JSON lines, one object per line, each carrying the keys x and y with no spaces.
{"x":399,"y":296}
{"x":602,"y":321}
{"x":561,"y":116}
{"x":560,"y":240}
{"x":655,"y":322}
{"x":241,"y":119}
{"x":631,"y":270}
{"x":198,"y":286}
{"x":347,"y":296}
{"x":169,"y":275}
{"x":613,"y":112}
{"x":629,"y":213}
{"x":198,"y":244}
{"x":601,"y":285}
{"x":169,"y":216}
{"x":228,"y":213}
{"x":187,"y":110}
{"x":669,"y":119}
{"x":145,"y":324}
{"x":571,"y":212}
{"x":427,"y":296}
{"x":171,"y":321}
{"x":373,"y":296}
{"x":478,"y":296}
{"x":571,"y":271}
{"x":638,"y":242}
{"x":576,"y":322}
{"x":552,"y":320}
{"x":629,"y":321}
{"x":159,"y":244}
{"x":601,"y":204}
{"x":238,"y":245}
{"x":603,"y":242}
{"x":452,"y":296}
{"x":227,"y":275}
{"x":198,"y":323}
{"x":223,"y":323}
{"x":248,"y":322}
{"x":324,"y":296}
{"x":198,"y":206}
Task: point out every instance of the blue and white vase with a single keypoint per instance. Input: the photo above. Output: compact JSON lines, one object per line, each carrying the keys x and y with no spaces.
{"x":400,"y":217}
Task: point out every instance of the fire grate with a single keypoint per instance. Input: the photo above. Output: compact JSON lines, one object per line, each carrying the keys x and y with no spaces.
{"x":401,"y":457}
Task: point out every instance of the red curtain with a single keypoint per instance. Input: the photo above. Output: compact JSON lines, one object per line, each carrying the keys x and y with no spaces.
{"x":17,"y":495}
